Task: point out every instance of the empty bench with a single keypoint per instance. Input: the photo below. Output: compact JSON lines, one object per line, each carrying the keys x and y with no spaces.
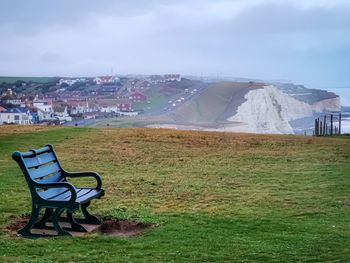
{"x":50,"y":190}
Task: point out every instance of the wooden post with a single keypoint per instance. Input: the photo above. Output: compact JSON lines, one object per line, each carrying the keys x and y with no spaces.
{"x":324,"y":125}
{"x":331,"y":124}
{"x":339,"y":123}
{"x":326,"y":129}
{"x":316,"y":124}
{"x":321,"y":131}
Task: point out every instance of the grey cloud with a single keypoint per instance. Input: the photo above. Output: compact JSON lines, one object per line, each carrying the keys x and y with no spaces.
{"x":262,"y":39}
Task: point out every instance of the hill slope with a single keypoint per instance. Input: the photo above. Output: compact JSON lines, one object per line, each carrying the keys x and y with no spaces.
{"x":218,"y":197}
{"x":215,"y":104}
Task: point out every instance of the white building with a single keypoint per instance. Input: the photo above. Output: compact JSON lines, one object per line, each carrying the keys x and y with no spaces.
{"x":106,"y":80}
{"x":45,"y":115}
{"x":172,"y":77}
{"x":43,"y":105}
{"x":63,"y":116}
{"x":15,"y":102}
{"x":16,"y":116}
{"x":70,"y":82}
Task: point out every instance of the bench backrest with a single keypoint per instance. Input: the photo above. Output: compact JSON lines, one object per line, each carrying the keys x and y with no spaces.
{"x":39,"y":165}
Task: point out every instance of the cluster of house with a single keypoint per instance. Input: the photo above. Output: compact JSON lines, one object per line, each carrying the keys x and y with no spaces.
{"x":102,"y":80}
{"x":106,"y":97}
{"x":51,"y":110}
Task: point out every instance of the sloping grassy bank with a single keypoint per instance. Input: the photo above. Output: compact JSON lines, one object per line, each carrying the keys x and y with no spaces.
{"x":217,"y":197}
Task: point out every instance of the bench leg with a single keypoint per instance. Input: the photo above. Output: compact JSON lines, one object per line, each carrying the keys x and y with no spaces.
{"x":88,"y":218}
{"x":42,"y":222}
{"x":56,"y":223}
{"x":74,"y":224}
{"x":25,"y":231}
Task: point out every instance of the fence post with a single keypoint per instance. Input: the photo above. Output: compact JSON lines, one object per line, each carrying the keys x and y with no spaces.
{"x":339,"y":123}
{"x":331,"y":124}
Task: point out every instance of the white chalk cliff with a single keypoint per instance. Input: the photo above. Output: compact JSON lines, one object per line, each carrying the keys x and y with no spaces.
{"x":269,"y":110}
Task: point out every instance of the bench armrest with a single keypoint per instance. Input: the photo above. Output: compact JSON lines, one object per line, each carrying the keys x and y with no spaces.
{"x":87,"y":174}
{"x":67,"y":185}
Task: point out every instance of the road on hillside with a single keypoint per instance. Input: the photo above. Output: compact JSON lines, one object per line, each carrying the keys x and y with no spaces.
{"x":184,"y":97}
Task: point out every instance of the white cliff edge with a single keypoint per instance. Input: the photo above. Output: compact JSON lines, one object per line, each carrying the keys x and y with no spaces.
{"x":269,"y":110}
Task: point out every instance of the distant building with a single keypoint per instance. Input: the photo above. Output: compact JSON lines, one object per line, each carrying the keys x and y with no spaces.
{"x":102,"y":80}
{"x":81,"y":106}
{"x":114,"y":105}
{"x":14,"y":102}
{"x":2,"y":109}
{"x":44,"y":115}
{"x":44,"y":105}
{"x":136,"y":96}
{"x":62,"y":116}
{"x":71,"y":81}
{"x":108,"y":90}
{"x":16,"y":116}
{"x":172,"y":77}
{"x":155,"y":79}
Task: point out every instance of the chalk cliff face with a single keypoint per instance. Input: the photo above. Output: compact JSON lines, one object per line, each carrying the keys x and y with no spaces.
{"x":332,"y":104}
{"x":269,"y":110}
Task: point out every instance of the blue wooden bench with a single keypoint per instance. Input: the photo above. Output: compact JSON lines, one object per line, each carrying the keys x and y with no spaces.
{"x":50,"y":190}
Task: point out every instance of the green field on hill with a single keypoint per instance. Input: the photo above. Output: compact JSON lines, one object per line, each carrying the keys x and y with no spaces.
{"x":216,"y":197}
{"x":12,"y":80}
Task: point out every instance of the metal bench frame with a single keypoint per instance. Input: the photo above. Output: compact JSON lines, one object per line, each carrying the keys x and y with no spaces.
{"x":50,"y":190}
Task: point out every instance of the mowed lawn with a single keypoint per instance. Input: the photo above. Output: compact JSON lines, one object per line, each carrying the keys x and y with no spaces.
{"x":217,"y":197}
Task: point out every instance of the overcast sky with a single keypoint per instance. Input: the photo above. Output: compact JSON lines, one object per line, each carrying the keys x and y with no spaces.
{"x":305,"y":41}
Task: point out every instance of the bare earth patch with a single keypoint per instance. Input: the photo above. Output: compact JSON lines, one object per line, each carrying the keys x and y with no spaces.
{"x":109,"y":227}
{"x":123,"y":228}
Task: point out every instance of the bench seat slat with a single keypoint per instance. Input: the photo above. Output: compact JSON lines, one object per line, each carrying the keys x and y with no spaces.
{"x":39,"y":160}
{"x":89,"y":195}
{"x":80,"y":193}
{"x":44,"y":170}
{"x":51,"y":192}
{"x":83,"y":194}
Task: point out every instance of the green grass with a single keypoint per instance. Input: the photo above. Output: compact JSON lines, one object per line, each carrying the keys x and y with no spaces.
{"x":157,"y":101}
{"x":11,"y":80}
{"x":217,"y":197}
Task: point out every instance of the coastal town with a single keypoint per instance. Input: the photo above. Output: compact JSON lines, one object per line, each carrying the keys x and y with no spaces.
{"x":66,"y":100}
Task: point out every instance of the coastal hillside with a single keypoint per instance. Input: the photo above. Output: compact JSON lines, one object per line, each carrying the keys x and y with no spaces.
{"x":251,"y":107}
{"x":213,"y":197}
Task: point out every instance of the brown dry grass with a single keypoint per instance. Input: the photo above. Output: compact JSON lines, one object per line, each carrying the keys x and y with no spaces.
{"x":19,"y":129}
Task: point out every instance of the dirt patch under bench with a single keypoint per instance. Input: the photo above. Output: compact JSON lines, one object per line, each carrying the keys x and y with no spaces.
{"x":109,"y":227}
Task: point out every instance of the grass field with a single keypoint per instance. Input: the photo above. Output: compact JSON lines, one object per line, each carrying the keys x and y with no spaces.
{"x":11,"y":80}
{"x":217,"y":197}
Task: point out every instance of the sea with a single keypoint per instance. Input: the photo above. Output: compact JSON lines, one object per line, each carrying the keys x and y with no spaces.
{"x":306,"y":125}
